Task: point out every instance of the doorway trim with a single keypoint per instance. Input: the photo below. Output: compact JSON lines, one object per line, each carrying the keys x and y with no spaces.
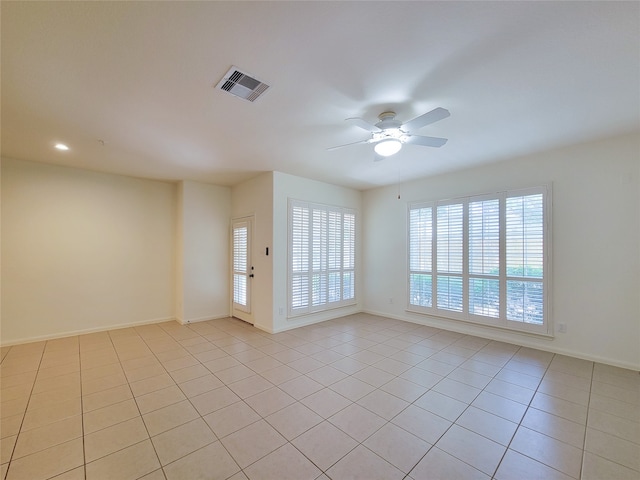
{"x":241,"y":267}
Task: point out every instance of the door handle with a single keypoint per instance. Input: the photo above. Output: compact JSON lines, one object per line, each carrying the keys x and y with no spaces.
{"x":251,"y":275}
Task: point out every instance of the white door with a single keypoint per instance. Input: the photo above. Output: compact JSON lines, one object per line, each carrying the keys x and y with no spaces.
{"x":242,"y":269}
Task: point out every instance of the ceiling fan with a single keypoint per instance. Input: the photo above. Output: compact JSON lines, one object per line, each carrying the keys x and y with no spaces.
{"x":389,"y":134}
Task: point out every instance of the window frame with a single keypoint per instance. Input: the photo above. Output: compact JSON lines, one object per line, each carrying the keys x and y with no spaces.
{"x":346,"y":247}
{"x":501,"y":321}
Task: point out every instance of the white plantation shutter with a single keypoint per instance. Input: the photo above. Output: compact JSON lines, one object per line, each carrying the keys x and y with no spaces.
{"x":319,"y":246}
{"x":334,"y":228}
{"x":299,"y":256}
{"x":525,"y":258}
{"x":525,"y":239}
{"x":484,"y":237}
{"x":449,"y":256}
{"x":421,"y":232}
{"x":348,"y":241}
{"x":482,"y":259}
{"x":319,"y":240}
{"x":420,"y":253}
{"x":348,"y":256}
{"x":321,"y":257}
{"x":240,"y":270}
{"x":334,"y":247}
{"x":299,"y":292}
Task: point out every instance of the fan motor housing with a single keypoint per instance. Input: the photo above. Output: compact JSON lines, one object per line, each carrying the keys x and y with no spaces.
{"x":388,"y":120}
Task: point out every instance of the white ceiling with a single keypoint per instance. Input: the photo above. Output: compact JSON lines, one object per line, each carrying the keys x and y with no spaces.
{"x":517,"y":77}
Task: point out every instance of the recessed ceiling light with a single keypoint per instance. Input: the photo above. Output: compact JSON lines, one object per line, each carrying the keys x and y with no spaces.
{"x":61,"y":146}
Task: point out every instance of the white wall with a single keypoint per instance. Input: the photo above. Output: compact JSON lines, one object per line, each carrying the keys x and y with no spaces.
{"x":289,"y":186}
{"x":202,"y":286}
{"x":83,"y":251}
{"x":596,"y":245}
{"x":255,"y":198}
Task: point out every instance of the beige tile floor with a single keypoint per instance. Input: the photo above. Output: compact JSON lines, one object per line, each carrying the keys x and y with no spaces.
{"x":357,"y":397}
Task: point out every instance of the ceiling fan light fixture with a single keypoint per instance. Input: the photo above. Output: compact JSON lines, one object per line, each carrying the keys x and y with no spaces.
{"x":388,"y":147}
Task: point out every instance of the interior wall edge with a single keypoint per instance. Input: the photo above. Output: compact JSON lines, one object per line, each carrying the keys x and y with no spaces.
{"x":86,"y":331}
{"x":206,"y":318}
{"x":264,"y":328}
{"x":519,"y":341}
{"x":326,"y":316}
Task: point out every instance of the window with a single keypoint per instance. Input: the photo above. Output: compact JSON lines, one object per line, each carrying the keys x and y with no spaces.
{"x":322,"y":253}
{"x":482,"y":259}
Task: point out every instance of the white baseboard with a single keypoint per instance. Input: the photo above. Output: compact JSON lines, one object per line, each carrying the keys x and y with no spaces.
{"x":85,"y":331}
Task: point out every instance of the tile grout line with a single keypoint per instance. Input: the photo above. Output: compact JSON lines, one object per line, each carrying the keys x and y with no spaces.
{"x":461,"y":413}
{"x":358,"y":443}
{"x":24,"y":416}
{"x":84,"y":452}
{"x":187,"y":398}
{"x":301,"y":374}
{"x":586,"y":421}
{"x":288,"y":442}
{"x":412,"y":403}
{"x":454,"y":421}
{"x":218,"y":439}
{"x":176,"y":384}
{"x":407,"y":406}
{"x":136,"y":403}
{"x":520,"y":422}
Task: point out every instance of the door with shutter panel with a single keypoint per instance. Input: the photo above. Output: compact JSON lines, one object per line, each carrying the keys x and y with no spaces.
{"x":242,"y":270}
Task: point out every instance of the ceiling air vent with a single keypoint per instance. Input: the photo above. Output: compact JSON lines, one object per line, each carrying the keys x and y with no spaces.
{"x":242,"y":85}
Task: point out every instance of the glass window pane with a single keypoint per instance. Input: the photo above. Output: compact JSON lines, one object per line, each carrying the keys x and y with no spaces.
{"x":334,"y":287}
{"x":420,"y":290}
{"x":525,"y":302}
{"x":348,"y":287}
{"x":484,"y":297}
{"x":449,"y":293}
{"x":318,"y":289}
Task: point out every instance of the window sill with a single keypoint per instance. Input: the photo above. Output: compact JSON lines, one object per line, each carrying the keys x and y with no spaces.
{"x":529,"y":332}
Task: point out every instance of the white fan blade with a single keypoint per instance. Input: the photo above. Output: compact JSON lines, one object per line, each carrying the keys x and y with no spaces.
{"x":426,"y":141}
{"x":424,"y":120}
{"x":358,"y":122}
{"x":348,"y":144}
{"x":377,"y":158}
